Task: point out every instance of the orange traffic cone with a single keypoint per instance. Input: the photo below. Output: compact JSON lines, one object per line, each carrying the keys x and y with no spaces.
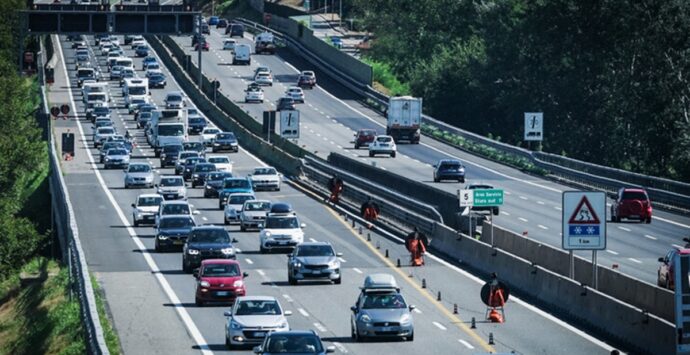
{"x":495,"y":316}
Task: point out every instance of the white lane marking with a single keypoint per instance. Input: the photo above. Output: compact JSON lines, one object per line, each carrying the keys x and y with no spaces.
{"x":238,"y":250}
{"x":342,"y":260}
{"x":542,"y":227}
{"x":417,"y":310}
{"x":261,"y":272}
{"x":312,"y":240}
{"x":523,"y":219}
{"x":557,"y":208}
{"x":650,"y":237}
{"x":505,"y":213}
{"x":507,"y":192}
{"x":303,"y":312}
{"x":635,"y":260}
{"x":340,"y":347}
{"x":357,"y":270}
{"x":288,"y":298}
{"x":540,"y":202}
{"x":672,"y":222}
{"x":624,"y":228}
{"x":204,"y":218}
{"x":181,"y":310}
{"x":677,"y":246}
{"x":320,"y":327}
{"x":249,"y":261}
{"x":339,"y":146}
{"x":466,"y":344}
{"x":439,"y":325}
{"x":523,"y":197}
{"x":611,"y":252}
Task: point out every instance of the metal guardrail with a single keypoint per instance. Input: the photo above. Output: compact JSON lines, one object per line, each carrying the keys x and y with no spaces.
{"x":662,"y":191}
{"x":68,"y":234}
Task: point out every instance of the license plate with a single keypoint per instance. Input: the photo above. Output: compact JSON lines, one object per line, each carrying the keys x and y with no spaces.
{"x":170,"y":196}
{"x":634,"y":216}
{"x":259,"y":334}
{"x":316,"y":272}
{"x":282,"y":243}
{"x":178,"y":242}
{"x":386,"y":329}
{"x":222,"y":293}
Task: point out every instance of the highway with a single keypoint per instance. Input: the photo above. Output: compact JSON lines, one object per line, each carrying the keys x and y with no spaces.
{"x":151,"y":302}
{"x":332,"y":114}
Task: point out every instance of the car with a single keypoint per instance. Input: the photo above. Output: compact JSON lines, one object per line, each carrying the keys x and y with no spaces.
{"x":78,"y":43}
{"x":137,"y":42}
{"x":235,"y":30}
{"x":189,"y":165}
{"x":221,"y":162}
{"x":261,"y":69}
{"x":84,"y":74}
{"x":195,"y":147}
{"x":107,"y":146}
{"x":127,"y":73}
{"x":213,"y":20}
{"x":145,"y":208}
{"x":82,"y":55}
{"x":172,"y":231}
{"x":174,"y":207}
{"x":205,"y":46}
{"x":116,"y":157}
{"x":196,"y":124}
{"x":309,"y":74}
{"x":148,"y":60}
{"x":205,"y":29}
{"x":208,"y":134}
{"x":304,"y":81}
{"x":153,"y":69}
{"x":337,"y":42}
{"x":196,"y":38}
{"x":280,"y":231}
{"x":142,"y":51}
{"x":251,"y":318}
{"x":285,"y":104}
{"x":139,"y":174}
{"x":181,"y":160}
{"x":233,"y":185}
{"x":225,"y":141}
{"x":253,"y":214}
{"x":264,"y":79}
{"x":206,"y":242}
{"x":295,"y":93}
{"x":266,"y":178}
{"x":314,"y":260}
{"x":282,"y":208}
{"x":201,"y":170}
{"x":172,"y":188}
{"x":382,"y":145}
{"x":492,"y":209}
{"x":234,"y":205}
{"x":381,"y":311}
{"x":157,"y":81}
{"x":98,"y":112}
{"x":130,"y":38}
{"x":364,"y":137}
{"x":219,"y":280}
{"x":174,"y":100}
{"x":229,"y":44}
{"x":116,"y":72}
{"x":213,"y":182}
{"x":293,"y":341}
{"x":169,"y":154}
{"x":143,"y":118}
{"x":254,"y":94}
{"x":665,"y":275}
{"x":134,"y":104}
{"x":631,"y":203}
{"x":449,"y":169}
{"x":222,"y":23}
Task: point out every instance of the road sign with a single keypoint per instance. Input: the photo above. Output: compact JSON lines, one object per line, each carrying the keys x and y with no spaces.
{"x":584,"y":220}
{"x":64,"y":109}
{"x":466,"y":198}
{"x":534,"y":126}
{"x":481,"y":198}
{"x":55,"y":111}
{"x":289,"y":124}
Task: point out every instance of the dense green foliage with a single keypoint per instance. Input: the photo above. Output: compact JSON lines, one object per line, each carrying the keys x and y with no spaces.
{"x":23,"y":162}
{"x":610,"y":76}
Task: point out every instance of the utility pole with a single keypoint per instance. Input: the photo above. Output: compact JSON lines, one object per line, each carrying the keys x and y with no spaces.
{"x":340,"y":19}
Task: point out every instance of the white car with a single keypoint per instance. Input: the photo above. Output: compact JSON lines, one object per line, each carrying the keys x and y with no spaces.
{"x":281,"y":231}
{"x":229,"y":44}
{"x":138,"y":42}
{"x":221,"y":162}
{"x":102,"y":134}
{"x":153,"y":69}
{"x":264,"y":78}
{"x":295,"y":93}
{"x":253,"y":94}
{"x":177,"y":208}
{"x":254,"y":214}
{"x":234,"y":206}
{"x":255,"y":315}
{"x":174,"y":100}
{"x":172,"y":188}
{"x":208,"y":134}
{"x":382,"y":145}
{"x":265,"y":178}
{"x":145,"y":209}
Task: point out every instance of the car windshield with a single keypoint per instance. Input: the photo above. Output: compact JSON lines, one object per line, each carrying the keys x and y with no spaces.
{"x":110,"y":145}
{"x":172,"y":182}
{"x":169,"y":148}
{"x":97,"y":96}
{"x":204,"y":168}
{"x":185,"y":155}
{"x":174,"y":98}
{"x":193,"y":146}
{"x":245,"y":308}
{"x":139,"y":168}
{"x":177,"y":222}
{"x":236,"y":183}
{"x":176,"y":208}
{"x":257,"y":206}
{"x":226,"y":136}
{"x":215,"y":235}
{"x":221,"y":270}
{"x":196,"y":120}
{"x":315,"y":250}
{"x":239,"y":199}
{"x":194,"y":160}
{"x":145,"y":115}
{"x":293,"y":343}
{"x":450,"y":166}
{"x":117,"y":152}
{"x":216,"y":176}
{"x":367,"y":133}
{"x":218,"y":160}
{"x":137,"y":90}
{"x":282,"y":222}
{"x":155,"y":77}
{"x":634,"y":195}
{"x":85,"y":72}
{"x":265,"y":171}
{"x":149,"y":201}
{"x":211,"y":131}
{"x":379,"y":301}
{"x":100,"y":110}
{"x":176,"y":130}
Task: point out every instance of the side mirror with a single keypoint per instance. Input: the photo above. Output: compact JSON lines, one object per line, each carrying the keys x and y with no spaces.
{"x":303,"y":225}
{"x":134,"y":205}
{"x":155,"y":185}
{"x":687,"y":240}
{"x":257,"y":349}
{"x":245,"y":274}
{"x":228,"y":313}
{"x":234,"y":240}
{"x":195,"y":273}
{"x":412,"y":307}
{"x":338,"y":254}
{"x":353,"y":309}
{"x":661,"y":260}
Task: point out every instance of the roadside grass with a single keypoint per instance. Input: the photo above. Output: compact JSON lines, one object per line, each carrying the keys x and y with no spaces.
{"x":111,"y":338}
{"x":384,"y":79}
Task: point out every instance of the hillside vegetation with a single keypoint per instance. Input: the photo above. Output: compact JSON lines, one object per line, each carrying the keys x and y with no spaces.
{"x":611,"y":76}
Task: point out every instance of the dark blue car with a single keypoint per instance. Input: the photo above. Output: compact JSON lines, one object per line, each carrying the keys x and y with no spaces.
{"x":231,"y":186}
{"x":173,"y":231}
{"x":157,"y":81}
{"x":142,"y":51}
{"x":196,"y":125}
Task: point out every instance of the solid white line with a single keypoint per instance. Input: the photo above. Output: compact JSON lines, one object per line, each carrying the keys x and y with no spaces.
{"x":523,"y":219}
{"x":204,"y":218}
{"x":181,"y":310}
{"x":249,"y":261}
{"x":672,"y":222}
{"x":303,"y":312}
{"x":320,"y":327}
{"x":542,"y":227}
{"x":624,"y":228}
{"x":417,"y":310}
{"x":650,"y":237}
{"x":439,"y":325}
{"x":611,"y":252}
{"x":466,"y":344}
{"x":357,"y":270}
{"x":635,"y":260}
{"x":312,"y":240}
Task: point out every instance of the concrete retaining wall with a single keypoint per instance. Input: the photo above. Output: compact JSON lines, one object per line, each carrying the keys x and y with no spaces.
{"x":603,"y":314}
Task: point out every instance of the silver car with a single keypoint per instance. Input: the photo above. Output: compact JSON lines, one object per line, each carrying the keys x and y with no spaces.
{"x":253,"y":214}
{"x":381,"y":311}
{"x":172,"y":188}
{"x":233,"y":207}
{"x":251,"y":318}
{"x":315,"y":260}
{"x":139,"y":174}
{"x":116,"y":157}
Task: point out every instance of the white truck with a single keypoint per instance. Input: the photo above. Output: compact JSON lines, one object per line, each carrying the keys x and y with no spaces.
{"x":167,"y":126}
{"x":135,"y":92}
{"x":404,"y":118}
{"x":88,"y":88}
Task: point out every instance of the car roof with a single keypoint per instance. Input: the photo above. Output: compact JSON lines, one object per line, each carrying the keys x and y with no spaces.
{"x":132,"y":164}
{"x":684,"y":251}
{"x":380,"y":282}
{"x":171,"y":216}
{"x":210,"y":226}
{"x":149,"y":195}
{"x":256,"y":298}
{"x":175,"y":202}
{"x":242,"y":194}
{"x":293,"y":332}
{"x":314,"y":243}
{"x":449,"y":161}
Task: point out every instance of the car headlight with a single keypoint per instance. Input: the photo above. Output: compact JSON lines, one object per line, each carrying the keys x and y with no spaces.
{"x":267,"y":234}
{"x":235,"y":325}
{"x":192,"y":252}
{"x":462,"y":170}
{"x":149,"y":178}
{"x":405,"y":319}
{"x":107,"y":159}
{"x":204,"y":284}
{"x":283,"y":325}
{"x":365,"y":318}
{"x":227,"y":251}
{"x":196,"y":175}
{"x":214,"y":143}
{"x":162,"y":237}
{"x":298,"y":264}
{"x":238,"y":283}
{"x":333,"y":264}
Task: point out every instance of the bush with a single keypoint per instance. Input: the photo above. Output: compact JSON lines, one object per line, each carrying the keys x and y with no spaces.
{"x":383,"y":74}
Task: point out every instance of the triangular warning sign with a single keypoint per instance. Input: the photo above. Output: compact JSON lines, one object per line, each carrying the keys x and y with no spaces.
{"x":584,"y":213}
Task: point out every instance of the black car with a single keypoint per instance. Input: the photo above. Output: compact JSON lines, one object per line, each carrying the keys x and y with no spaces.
{"x":195,"y":147}
{"x":225,"y":141}
{"x":494,"y":209}
{"x":98,"y":112}
{"x":205,"y":28}
{"x":222,"y":23}
{"x":201,"y":170}
{"x":285,"y":103}
{"x":214,"y":182}
{"x":294,"y":341}
{"x":281,"y":208}
{"x":449,"y":169}
{"x":169,"y":154}
{"x":157,"y":81}
{"x":189,"y":164}
{"x":196,"y":125}
{"x":172,"y":231}
{"x":206,"y":242}
{"x":235,"y":29}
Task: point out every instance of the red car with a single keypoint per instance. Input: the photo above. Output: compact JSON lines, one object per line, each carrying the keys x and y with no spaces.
{"x":632,"y":203}
{"x":666,"y":277}
{"x":363,"y":137}
{"x":219,"y":280}
{"x":204,"y":46}
{"x":306,"y":81}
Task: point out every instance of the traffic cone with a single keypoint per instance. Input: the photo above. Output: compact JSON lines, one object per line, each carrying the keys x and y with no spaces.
{"x":495,"y":316}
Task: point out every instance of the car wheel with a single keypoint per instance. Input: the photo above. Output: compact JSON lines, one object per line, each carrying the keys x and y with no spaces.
{"x":186,"y":267}
{"x":199,"y":303}
{"x":228,"y":344}
{"x":157,"y":246}
{"x":338,"y":280}
{"x":292,"y":280}
{"x":411,"y":337}
{"x":226,"y":222}
{"x":136,"y":223}
{"x":436,"y":179}
{"x":648,"y":220}
{"x":242,"y":227}
{"x":262,"y":250}
{"x":668,"y":282}
{"x":393,"y":155}
{"x":461,"y":180}
{"x":126,"y":186}
{"x":193,"y":185}
{"x":371,"y":154}
{"x":356,"y":146}
{"x":220,"y":207}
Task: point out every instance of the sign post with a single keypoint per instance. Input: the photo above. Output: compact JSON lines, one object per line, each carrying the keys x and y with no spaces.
{"x":482,"y":198}
{"x":289,"y":124}
{"x":584,"y":226}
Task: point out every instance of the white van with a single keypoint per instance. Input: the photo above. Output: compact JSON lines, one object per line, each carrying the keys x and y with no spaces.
{"x":135,"y":89}
{"x":96,"y":99}
{"x":242,"y":55}
{"x":88,"y":88}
